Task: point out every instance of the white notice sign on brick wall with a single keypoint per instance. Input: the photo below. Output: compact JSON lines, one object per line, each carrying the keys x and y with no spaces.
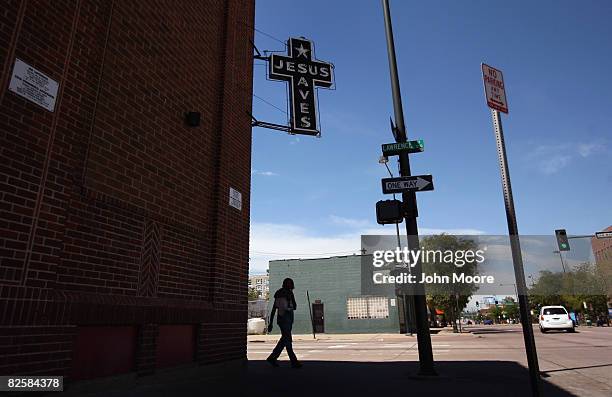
{"x":33,"y":85}
{"x":235,"y":199}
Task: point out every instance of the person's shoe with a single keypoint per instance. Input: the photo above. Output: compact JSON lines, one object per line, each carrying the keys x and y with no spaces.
{"x":272,"y":361}
{"x":296,"y":364}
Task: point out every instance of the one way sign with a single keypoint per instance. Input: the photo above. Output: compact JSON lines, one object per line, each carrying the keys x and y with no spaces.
{"x":417,"y":183}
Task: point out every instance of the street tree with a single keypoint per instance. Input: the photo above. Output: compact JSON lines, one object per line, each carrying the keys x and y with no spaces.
{"x":582,"y":285}
{"x":253,"y":294}
{"x":450,"y":297}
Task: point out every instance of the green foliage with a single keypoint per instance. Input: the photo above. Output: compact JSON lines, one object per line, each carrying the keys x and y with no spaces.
{"x":253,"y":294}
{"x":509,"y":300}
{"x":452,"y":298}
{"x":583,"y":284}
{"x":512,"y":311}
{"x":496,"y":313}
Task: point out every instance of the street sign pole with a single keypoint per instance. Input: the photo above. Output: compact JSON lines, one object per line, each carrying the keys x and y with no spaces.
{"x":426,"y":363}
{"x":517,"y":259}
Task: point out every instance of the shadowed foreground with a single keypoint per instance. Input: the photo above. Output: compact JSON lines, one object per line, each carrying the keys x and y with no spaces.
{"x":457,"y":378}
{"x":347,"y":378}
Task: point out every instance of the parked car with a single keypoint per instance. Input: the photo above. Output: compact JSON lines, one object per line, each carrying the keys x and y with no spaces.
{"x":487,"y":322}
{"x":555,"y":317}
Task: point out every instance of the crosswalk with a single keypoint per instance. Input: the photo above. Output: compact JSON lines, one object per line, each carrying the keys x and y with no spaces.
{"x":353,"y":351}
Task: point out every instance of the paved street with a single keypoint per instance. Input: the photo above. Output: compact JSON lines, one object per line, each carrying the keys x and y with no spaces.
{"x":493,"y":357}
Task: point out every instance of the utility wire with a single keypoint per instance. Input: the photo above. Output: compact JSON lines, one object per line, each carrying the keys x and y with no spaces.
{"x":271,"y":104}
{"x":270,"y":36}
{"x":298,"y":253}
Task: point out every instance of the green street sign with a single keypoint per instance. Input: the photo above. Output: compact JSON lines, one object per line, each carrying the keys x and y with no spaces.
{"x":392,"y":149}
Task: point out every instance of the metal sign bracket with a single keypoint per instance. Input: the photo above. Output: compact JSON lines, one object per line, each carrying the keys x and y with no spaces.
{"x":273,"y":126}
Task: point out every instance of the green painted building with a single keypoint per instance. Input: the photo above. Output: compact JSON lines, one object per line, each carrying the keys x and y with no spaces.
{"x":341,"y":298}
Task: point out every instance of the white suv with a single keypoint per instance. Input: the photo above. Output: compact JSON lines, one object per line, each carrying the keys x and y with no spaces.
{"x":555,"y":317}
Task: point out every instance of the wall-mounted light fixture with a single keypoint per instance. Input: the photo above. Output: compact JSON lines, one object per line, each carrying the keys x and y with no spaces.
{"x":192,"y":119}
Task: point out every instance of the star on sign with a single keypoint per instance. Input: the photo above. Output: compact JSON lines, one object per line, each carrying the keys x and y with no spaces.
{"x":302,"y":50}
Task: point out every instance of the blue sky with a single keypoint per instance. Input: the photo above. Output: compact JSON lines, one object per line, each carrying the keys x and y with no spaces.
{"x":315,"y":196}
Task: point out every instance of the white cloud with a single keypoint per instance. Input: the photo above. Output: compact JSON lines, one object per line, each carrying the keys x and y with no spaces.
{"x":270,"y":241}
{"x":587,"y":149}
{"x":263,"y":173}
{"x":457,"y":232}
{"x":550,"y":159}
{"x":351,"y":222}
{"x":554,"y":163}
{"x":424,"y":231}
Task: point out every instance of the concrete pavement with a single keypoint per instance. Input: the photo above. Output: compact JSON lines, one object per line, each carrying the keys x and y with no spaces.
{"x":486,"y":361}
{"x":577,"y":364}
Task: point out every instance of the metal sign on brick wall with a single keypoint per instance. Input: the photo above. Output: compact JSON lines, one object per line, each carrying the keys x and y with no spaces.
{"x":495,"y":90}
{"x":304,"y":73}
{"x":33,"y":85}
{"x":235,"y":198}
{"x":603,"y":234}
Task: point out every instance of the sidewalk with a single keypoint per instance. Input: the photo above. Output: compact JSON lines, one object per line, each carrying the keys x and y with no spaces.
{"x":386,"y":379}
{"x":357,"y":379}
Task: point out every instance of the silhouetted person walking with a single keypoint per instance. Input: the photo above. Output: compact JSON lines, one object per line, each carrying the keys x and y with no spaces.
{"x":284,"y":303}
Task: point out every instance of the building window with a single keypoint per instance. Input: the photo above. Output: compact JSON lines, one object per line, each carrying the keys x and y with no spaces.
{"x":367,"y":307}
{"x":378,"y":307}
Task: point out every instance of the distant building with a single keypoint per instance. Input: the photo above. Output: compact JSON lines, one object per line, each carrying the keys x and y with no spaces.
{"x":258,"y":308}
{"x":261,"y":284}
{"x":489,"y":304}
{"x":340,"y":300}
{"x":602,"y":250}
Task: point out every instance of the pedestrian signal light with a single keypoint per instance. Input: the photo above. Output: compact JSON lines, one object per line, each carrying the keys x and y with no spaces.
{"x":389,"y":211}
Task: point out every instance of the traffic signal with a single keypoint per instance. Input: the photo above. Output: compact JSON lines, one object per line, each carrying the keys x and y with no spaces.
{"x":389,"y":211}
{"x":562,"y":240}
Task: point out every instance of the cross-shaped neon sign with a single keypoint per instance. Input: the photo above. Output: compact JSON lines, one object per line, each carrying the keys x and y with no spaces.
{"x":304,"y":73}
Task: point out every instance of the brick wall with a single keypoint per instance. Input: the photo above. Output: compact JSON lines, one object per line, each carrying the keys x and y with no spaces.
{"x":112,"y":210}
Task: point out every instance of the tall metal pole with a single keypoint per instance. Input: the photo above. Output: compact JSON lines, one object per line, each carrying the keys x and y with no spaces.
{"x":517,"y":258}
{"x":407,"y":299}
{"x":426,"y":363}
{"x":314,"y":335}
{"x":560,"y":257}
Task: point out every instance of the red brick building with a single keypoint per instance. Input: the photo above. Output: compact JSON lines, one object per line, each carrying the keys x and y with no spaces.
{"x":602,"y":250}
{"x":119,"y":251}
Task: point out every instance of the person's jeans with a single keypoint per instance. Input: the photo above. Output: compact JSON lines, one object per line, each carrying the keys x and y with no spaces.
{"x":285,"y":342}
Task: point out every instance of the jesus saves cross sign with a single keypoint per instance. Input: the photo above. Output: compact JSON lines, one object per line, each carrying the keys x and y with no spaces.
{"x":304,"y":73}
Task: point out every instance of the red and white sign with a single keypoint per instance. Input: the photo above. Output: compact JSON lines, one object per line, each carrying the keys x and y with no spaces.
{"x":494,"y":88}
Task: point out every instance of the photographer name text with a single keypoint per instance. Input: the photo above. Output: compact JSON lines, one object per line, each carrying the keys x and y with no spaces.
{"x":455,"y":278}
